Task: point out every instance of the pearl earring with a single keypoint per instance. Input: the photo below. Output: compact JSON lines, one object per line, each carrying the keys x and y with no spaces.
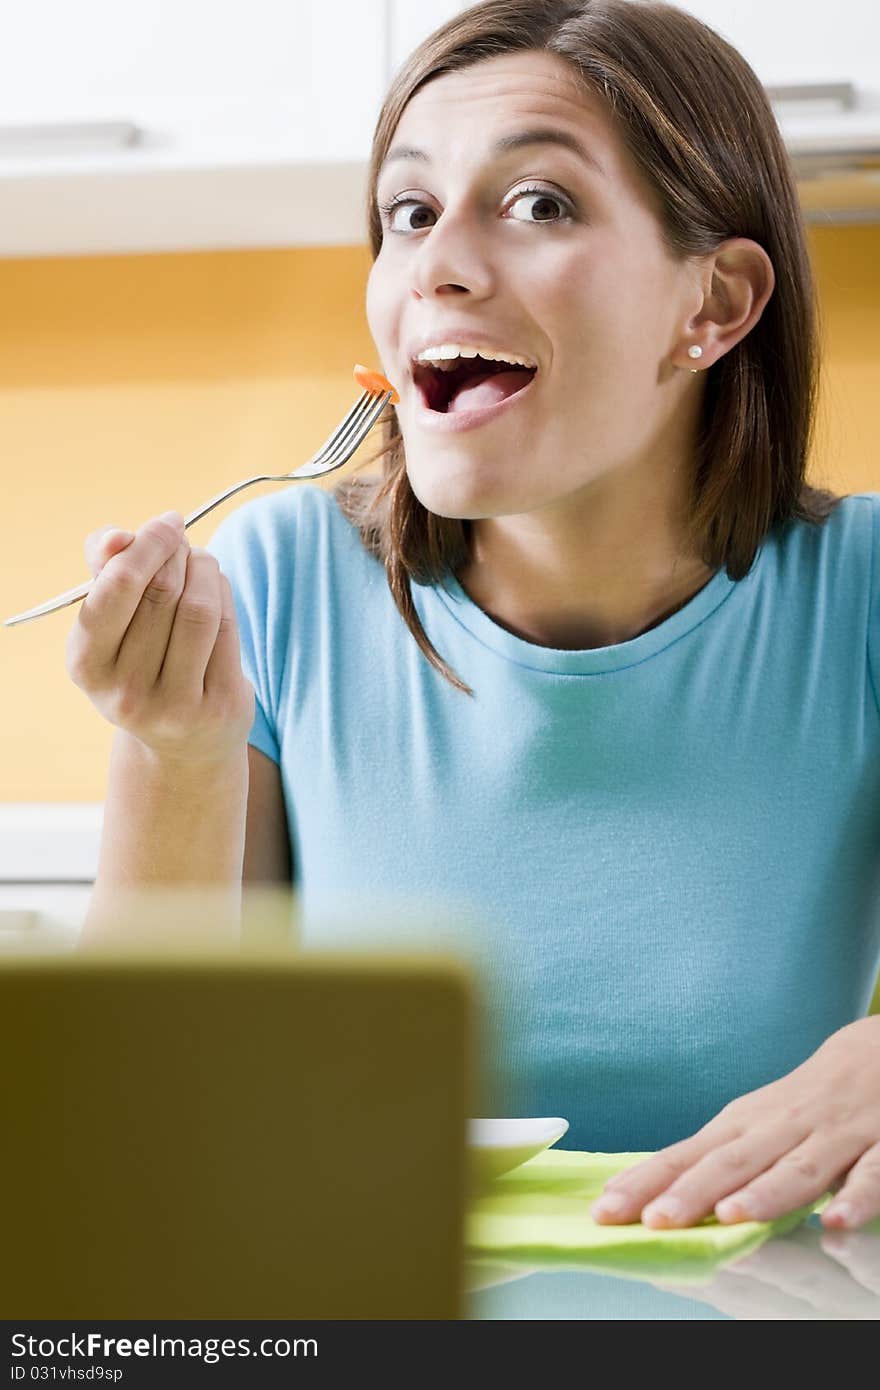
{"x":695,"y":351}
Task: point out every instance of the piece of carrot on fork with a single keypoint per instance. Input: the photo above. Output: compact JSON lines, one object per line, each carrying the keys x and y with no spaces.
{"x":375,"y":382}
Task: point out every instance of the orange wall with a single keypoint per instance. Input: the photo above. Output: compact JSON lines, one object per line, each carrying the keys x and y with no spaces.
{"x":134,"y":384}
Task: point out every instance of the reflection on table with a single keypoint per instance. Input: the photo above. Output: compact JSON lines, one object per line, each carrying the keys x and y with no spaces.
{"x":806,"y":1273}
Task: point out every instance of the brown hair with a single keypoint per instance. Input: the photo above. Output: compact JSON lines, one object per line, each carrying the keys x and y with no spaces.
{"x":698,"y":124}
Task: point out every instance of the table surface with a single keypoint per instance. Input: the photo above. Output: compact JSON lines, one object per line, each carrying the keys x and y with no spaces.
{"x":808,"y":1273}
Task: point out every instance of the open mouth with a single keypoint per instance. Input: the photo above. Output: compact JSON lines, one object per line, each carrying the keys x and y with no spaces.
{"x":473,"y":383}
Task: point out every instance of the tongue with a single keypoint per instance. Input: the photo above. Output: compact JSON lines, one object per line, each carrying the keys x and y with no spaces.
{"x":479,"y":392}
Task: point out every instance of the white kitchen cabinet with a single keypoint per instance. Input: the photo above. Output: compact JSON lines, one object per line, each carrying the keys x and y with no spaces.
{"x":48,"y":864}
{"x":410,"y":21}
{"x":187,"y":123}
{"x":164,"y":125}
{"x":41,"y":916}
{"x":213,"y":77}
{"x":291,"y":74}
{"x":194,"y":124}
{"x":819,"y":64}
{"x":800,"y":41}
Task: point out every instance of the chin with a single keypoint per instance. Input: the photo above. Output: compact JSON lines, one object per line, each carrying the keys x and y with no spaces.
{"x":461,"y":499}
{"x":462,"y":490}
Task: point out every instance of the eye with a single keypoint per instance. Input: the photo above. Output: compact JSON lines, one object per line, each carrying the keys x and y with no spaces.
{"x":542,"y":198}
{"x":388,"y":211}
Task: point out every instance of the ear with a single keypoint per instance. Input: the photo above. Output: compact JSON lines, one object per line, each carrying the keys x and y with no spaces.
{"x":737,"y":281}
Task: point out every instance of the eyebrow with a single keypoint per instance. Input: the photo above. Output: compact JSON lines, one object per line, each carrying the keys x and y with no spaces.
{"x":507,"y":143}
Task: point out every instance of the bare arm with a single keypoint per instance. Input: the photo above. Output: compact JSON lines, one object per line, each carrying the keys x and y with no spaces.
{"x":167,"y":826}
{"x":267,"y":857}
{"x":155,"y":648}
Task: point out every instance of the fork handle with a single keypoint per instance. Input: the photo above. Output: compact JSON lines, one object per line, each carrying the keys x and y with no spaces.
{"x":75,"y":595}
{"x":222,"y":496}
{"x":61,"y":601}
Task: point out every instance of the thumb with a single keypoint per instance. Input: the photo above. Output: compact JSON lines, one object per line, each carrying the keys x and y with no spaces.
{"x":104,"y":545}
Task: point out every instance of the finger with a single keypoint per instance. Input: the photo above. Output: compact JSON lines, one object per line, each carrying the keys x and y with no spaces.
{"x":223,"y":672}
{"x":732,"y":1178}
{"x":627,"y":1192}
{"x":859,"y":1198}
{"x":117,"y":590}
{"x":196,"y":625}
{"x":103,"y":544}
{"x":142,"y":650}
{"x":797,"y":1178}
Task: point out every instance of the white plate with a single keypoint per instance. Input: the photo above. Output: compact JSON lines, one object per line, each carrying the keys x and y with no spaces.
{"x":497,"y":1146}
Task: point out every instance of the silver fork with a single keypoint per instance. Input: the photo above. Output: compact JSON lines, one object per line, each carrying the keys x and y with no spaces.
{"x":336,"y":451}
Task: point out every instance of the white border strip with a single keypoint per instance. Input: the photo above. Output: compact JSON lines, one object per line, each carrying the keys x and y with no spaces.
{"x":54,"y":842}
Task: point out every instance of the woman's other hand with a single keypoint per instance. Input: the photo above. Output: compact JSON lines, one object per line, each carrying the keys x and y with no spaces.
{"x":773,"y":1150}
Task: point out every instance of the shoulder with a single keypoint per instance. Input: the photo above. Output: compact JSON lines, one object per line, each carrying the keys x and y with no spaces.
{"x":855,"y":516}
{"x":829,"y":573}
{"x":841,"y":547}
{"x":821,"y":577}
{"x":860,"y":515}
{"x":274,"y":536}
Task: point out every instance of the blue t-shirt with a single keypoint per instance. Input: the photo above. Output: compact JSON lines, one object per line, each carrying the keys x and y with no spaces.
{"x":666,"y":853}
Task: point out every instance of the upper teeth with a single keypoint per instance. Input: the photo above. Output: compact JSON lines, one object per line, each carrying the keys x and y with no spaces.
{"x":450,"y":352}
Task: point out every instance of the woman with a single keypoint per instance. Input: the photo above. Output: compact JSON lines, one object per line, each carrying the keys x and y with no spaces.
{"x":611,"y":700}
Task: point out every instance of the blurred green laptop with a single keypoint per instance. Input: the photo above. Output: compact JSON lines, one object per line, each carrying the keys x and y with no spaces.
{"x":280,"y":1136}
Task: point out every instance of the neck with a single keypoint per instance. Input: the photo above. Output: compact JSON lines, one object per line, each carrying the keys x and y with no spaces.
{"x":600,"y":572}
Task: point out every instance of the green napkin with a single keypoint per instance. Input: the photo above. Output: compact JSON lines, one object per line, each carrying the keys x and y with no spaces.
{"x":538,"y":1215}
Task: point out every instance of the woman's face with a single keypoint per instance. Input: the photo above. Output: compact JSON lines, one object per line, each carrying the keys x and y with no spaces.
{"x":540,"y":254}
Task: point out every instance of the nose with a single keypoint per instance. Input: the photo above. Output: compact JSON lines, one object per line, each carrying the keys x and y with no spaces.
{"x":451,"y":260}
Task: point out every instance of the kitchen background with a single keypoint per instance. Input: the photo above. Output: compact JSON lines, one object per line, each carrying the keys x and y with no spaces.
{"x":182,"y":276}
